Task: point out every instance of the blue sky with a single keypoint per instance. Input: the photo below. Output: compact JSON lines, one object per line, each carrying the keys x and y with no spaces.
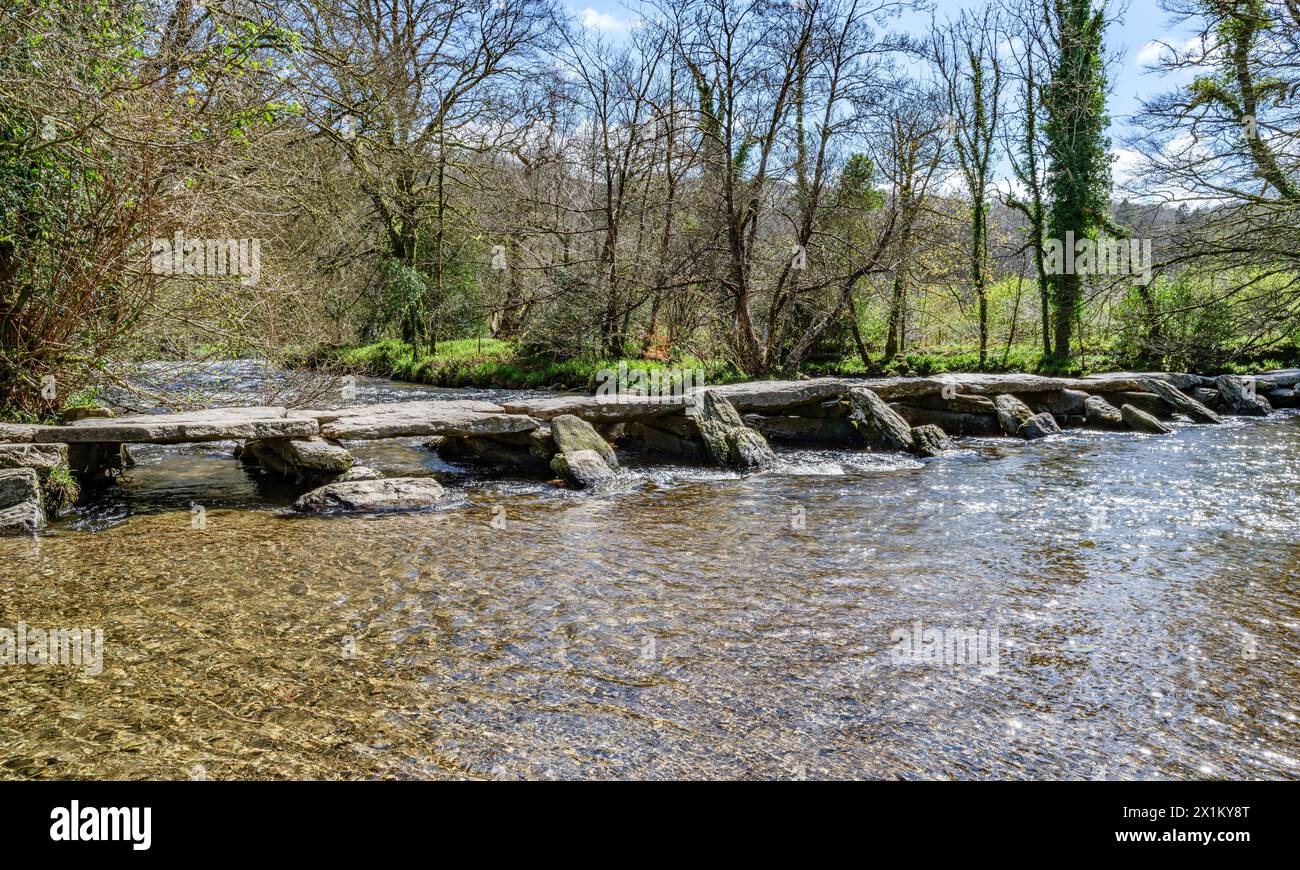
{"x":1137,"y":37}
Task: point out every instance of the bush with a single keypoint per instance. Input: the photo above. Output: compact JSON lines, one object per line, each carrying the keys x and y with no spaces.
{"x":1184,"y":329}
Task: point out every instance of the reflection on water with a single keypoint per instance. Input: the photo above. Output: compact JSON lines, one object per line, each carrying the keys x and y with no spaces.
{"x":690,"y":623}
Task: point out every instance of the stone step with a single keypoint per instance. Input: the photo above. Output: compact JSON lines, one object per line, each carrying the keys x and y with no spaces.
{"x":433,"y":417}
{"x":217,"y":424}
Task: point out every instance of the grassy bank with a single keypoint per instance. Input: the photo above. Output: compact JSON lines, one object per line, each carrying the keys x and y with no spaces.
{"x":491,"y":362}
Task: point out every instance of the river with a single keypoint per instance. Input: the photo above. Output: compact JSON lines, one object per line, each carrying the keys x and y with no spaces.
{"x":1139,"y":597}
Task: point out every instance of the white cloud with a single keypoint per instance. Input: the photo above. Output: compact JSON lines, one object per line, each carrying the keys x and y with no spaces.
{"x":605,"y":22}
{"x":1156,"y":51}
{"x":1150,"y":53}
{"x":1127,"y":167}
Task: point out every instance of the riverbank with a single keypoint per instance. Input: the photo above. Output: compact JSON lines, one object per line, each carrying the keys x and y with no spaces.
{"x":493,"y":363}
{"x":485,"y":363}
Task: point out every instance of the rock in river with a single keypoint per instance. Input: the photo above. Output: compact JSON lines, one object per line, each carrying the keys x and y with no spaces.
{"x":1240,"y":397}
{"x":572,"y":434}
{"x":1012,"y":413}
{"x":20,"y":501}
{"x":1039,"y":426}
{"x":930,"y":440}
{"x":1181,"y":402}
{"x":359,"y":472}
{"x":355,"y":496}
{"x":299,"y":456}
{"x":726,"y":437}
{"x":1102,"y":414}
{"x":880,"y":424}
{"x":1142,"y":421}
{"x":582,"y":469}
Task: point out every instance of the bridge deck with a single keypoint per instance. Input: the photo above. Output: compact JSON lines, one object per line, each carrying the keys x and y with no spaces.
{"x":468,"y":417}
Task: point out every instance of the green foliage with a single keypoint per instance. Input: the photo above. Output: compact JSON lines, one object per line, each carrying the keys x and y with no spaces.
{"x":404,"y":294}
{"x":81,"y":170}
{"x":60,"y":488}
{"x":1188,"y":325}
{"x":857,"y":186}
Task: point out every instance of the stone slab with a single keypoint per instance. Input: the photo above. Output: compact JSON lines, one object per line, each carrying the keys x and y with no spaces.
{"x":217,"y":424}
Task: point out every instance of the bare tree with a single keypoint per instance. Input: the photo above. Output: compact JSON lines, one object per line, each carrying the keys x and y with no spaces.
{"x":410,"y":92}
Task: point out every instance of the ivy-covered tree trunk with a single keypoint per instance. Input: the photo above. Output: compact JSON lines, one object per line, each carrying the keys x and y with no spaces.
{"x":1078,"y":163}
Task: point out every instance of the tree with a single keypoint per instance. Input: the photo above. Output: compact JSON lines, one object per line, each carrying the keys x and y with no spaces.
{"x":1024,"y":144}
{"x":1228,"y":144}
{"x":966,"y":54}
{"x":1078,"y":159}
{"x":410,"y":93}
{"x":109,"y":114}
{"x":779,"y":87}
{"x":914,"y":126}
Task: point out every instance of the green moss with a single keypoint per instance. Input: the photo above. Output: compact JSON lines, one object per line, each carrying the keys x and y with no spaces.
{"x":60,"y":488}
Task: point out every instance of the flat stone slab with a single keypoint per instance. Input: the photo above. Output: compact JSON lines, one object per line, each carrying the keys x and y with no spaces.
{"x":465,"y":418}
{"x":216,"y":424}
{"x":598,"y":409}
{"x":42,"y":457}
{"x":768,"y":395}
{"x":16,"y":433}
{"x":403,"y":419}
{"x":1277,"y":380}
{"x":993,"y":385}
{"x":1135,"y":382}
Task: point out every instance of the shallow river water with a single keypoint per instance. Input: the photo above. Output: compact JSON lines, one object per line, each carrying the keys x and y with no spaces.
{"x":1139,"y":599}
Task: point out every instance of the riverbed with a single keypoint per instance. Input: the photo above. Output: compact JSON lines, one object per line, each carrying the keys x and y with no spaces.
{"x":1138,"y":598}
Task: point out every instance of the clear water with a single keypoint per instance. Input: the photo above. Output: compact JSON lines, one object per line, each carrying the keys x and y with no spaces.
{"x":690,"y":623}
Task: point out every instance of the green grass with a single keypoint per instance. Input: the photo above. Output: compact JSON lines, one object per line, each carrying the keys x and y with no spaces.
{"x":495,"y":363}
{"x":491,"y":362}
{"x":61,"y":489}
{"x":1018,"y":358}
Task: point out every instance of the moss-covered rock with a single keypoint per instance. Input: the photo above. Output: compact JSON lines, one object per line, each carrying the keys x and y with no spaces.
{"x":572,"y":434}
{"x":930,"y":440}
{"x":726,"y":438}
{"x":878,"y":424}
{"x":50,"y":462}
